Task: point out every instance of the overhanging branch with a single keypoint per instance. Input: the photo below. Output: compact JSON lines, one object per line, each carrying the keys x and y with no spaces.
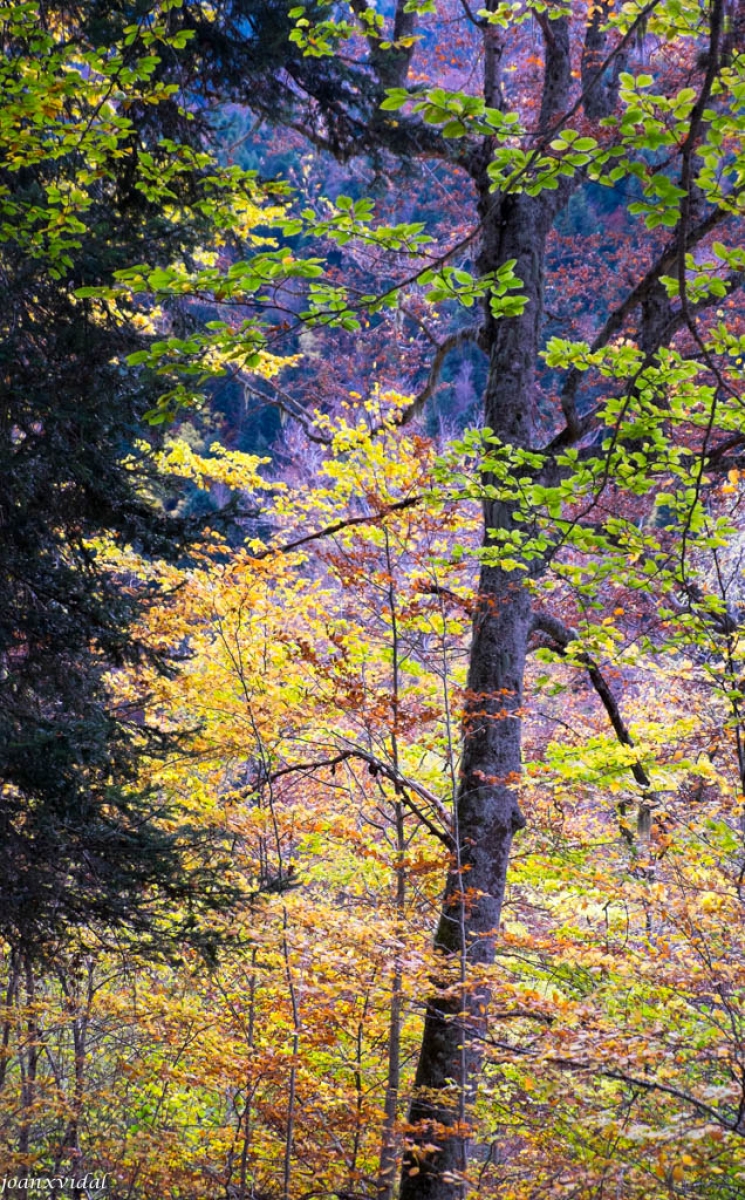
{"x":377,"y":766}
{"x":562,"y":636}
{"x":338,"y":526}
{"x":287,"y":404}
{"x":452,"y":342}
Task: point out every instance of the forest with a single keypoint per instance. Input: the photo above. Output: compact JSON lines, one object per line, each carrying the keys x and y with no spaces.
{"x":372,"y":547}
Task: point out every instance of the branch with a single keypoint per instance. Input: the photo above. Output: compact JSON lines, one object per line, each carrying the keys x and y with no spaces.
{"x":463,"y":602}
{"x":620,"y":1076}
{"x":557,"y":78}
{"x":716,"y":26}
{"x":452,"y":342}
{"x":561,"y":635}
{"x":392,"y":64}
{"x":348,"y":135}
{"x":377,"y":766}
{"x":723,"y":623}
{"x":288,"y":405}
{"x":477,"y":22}
{"x":494,"y":48}
{"x":576,"y":427}
{"x":698,"y":1106}
{"x":607,"y":63}
{"x":336,"y":526}
{"x":420,"y":323}
{"x":599,"y":101}
{"x":718,"y":456}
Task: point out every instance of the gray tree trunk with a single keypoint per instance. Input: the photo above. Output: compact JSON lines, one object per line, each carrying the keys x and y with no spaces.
{"x":487,"y":810}
{"x":488,"y":814}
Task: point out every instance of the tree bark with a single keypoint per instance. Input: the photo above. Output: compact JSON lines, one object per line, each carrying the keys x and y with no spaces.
{"x":487,"y":810}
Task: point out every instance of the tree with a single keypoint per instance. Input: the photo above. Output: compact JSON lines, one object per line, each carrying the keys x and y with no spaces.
{"x":326,"y":665}
{"x":660,"y":405}
{"x":92,"y":179}
{"x":601,"y":502}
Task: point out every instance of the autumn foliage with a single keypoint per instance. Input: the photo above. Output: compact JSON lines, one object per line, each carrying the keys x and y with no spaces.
{"x":446,"y":688}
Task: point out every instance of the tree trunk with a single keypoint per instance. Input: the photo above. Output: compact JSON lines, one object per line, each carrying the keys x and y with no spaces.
{"x":388,"y":1150}
{"x":488,"y":814}
{"x":514,"y":226}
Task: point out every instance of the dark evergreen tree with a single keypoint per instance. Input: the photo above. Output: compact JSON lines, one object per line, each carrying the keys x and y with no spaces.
{"x":80,"y":844}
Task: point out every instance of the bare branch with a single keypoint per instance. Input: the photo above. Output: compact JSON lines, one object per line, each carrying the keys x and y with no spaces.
{"x":600,"y":83}
{"x":288,"y":405}
{"x":378,"y":766}
{"x":452,"y":342}
{"x":337,"y":526}
{"x":719,"y":456}
{"x":576,"y":427}
{"x":419,"y":322}
{"x":561,"y":635}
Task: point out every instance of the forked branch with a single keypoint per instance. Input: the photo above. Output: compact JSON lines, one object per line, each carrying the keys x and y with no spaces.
{"x":377,"y":766}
